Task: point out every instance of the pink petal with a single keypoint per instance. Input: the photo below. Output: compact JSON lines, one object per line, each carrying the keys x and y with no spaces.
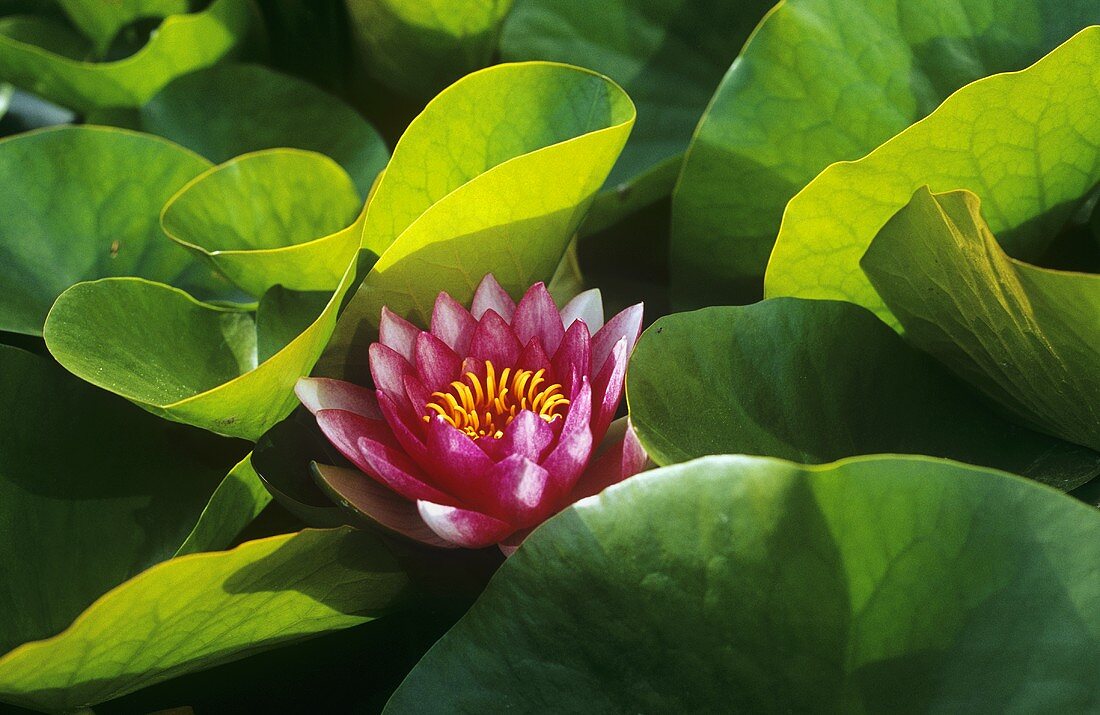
{"x":490,"y":296}
{"x":322,"y":393}
{"x":457,"y":463}
{"x":378,"y":503}
{"x":623,"y":458}
{"x":388,"y":368}
{"x":574,"y":353}
{"x":495,"y":341}
{"x":397,"y":333}
{"x":519,"y":487}
{"x":407,"y":428}
{"x":537,"y":317}
{"x":436,"y":363}
{"x":453,"y":324}
{"x":509,"y":544}
{"x":570,"y":455}
{"x":627,"y":324}
{"x":533,"y":357}
{"x":417,"y":395}
{"x":370,"y":445}
{"x":528,"y":435}
{"x":607,"y":389}
{"x":463,"y":527}
{"x":586,"y":307}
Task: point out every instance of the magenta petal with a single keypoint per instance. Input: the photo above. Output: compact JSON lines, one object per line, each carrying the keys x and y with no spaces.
{"x":457,"y":463}
{"x":370,"y":445}
{"x":537,"y":317}
{"x":528,"y":435}
{"x":510,"y":543}
{"x":397,"y":333}
{"x":462,"y":527}
{"x":627,"y":324}
{"x":587,"y":307}
{"x":436,"y":363}
{"x":570,"y":455}
{"x":574,"y":353}
{"x":520,"y":486}
{"x":607,"y":389}
{"x":623,"y":458}
{"x":322,"y":393}
{"x":495,"y":341}
{"x":378,"y":503}
{"x":407,"y":428}
{"x":490,"y":296}
{"x":534,"y":357}
{"x":388,"y":368}
{"x":452,"y":323}
{"x":417,"y":395}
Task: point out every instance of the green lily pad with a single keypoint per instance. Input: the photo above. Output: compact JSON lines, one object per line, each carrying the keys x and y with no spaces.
{"x":494,"y":176}
{"x":779,"y":119}
{"x":1028,"y":337}
{"x":669,"y":55}
{"x":815,"y":381}
{"x":100,"y":21}
{"x":1027,"y":142}
{"x":93,"y":491}
{"x":742,"y":584}
{"x":232,"y":109}
{"x":201,"y":610}
{"x":182,"y":44}
{"x":184,"y":360}
{"x":276,"y":217}
{"x":82,"y":203}
{"x":418,"y":47}
{"x":237,"y":501}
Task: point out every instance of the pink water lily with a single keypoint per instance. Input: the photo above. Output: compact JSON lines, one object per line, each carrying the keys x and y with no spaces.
{"x":486,"y":424}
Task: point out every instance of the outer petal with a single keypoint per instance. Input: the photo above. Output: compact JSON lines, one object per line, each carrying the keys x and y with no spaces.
{"x":528,"y":436}
{"x":574,"y":354}
{"x":397,"y":333}
{"x":537,"y":317}
{"x":436,"y":363}
{"x":490,"y":296}
{"x":627,"y":324}
{"x":322,"y":393}
{"x":495,"y":341}
{"x":457,"y":463}
{"x":623,"y":458}
{"x":570,"y":455}
{"x":376,"y":502}
{"x":388,"y":368}
{"x":452,"y":323}
{"x":463,"y":527}
{"x":520,"y":488}
{"x":406,"y":427}
{"x":607,"y":389}
{"x":587,"y":307}
{"x":370,"y":445}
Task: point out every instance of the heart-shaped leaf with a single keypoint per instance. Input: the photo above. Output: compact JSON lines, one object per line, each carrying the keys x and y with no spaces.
{"x":742,"y":584}
{"x":232,"y":109}
{"x":494,"y":176}
{"x":1028,"y":143}
{"x":815,"y":381}
{"x":82,"y":203}
{"x":824,"y":81}
{"x":276,"y":217}
{"x":1028,"y":337}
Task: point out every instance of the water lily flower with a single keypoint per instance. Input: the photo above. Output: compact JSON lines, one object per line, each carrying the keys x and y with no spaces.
{"x":482,"y":427}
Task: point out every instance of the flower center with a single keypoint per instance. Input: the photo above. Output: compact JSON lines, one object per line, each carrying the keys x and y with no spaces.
{"x":483,"y":408}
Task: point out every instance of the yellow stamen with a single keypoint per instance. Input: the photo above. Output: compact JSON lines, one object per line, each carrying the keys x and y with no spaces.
{"x":483,"y":408}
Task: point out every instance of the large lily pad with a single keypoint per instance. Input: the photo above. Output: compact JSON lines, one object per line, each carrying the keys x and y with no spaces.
{"x":1028,"y":143}
{"x":232,"y":109}
{"x":815,"y":381}
{"x":1028,"y":337}
{"x":101,"y":21}
{"x":276,"y":217}
{"x":779,"y":118}
{"x":93,"y":491}
{"x":200,"y":610}
{"x":182,"y":44}
{"x":418,"y":47}
{"x":494,"y":176}
{"x":182,"y":359}
{"x":81,"y":203}
{"x":669,"y":55}
{"x":741,"y":584}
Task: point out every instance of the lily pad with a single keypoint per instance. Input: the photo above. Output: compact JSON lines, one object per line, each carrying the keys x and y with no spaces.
{"x":82,"y":203}
{"x":815,"y":381}
{"x":494,"y":176}
{"x":1027,"y":337}
{"x":201,"y":610}
{"x":669,"y":55}
{"x":743,"y":584}
{"x":101,"y":21}
{"x":184,"y":360}
{"x":93,"y":491}
{"x":276,"y":217}
{"x":418,"y":47}
{"x":182,"y":44}
{"x":231,"y":109}
{"x":1028,"y":143}
{"x":779,"y":119}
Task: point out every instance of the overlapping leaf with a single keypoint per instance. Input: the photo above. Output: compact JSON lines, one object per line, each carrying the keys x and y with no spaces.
{"x":880,"y":584}
{"x":829,"y":80}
